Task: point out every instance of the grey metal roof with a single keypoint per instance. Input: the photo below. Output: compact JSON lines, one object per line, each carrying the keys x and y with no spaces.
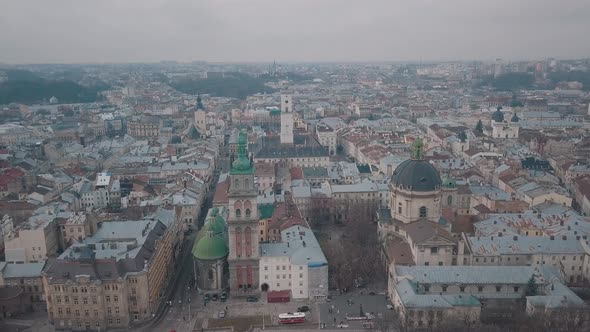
{"x":299,"y":244}
{"x":26,"y":270}
{"x":416,"y":175}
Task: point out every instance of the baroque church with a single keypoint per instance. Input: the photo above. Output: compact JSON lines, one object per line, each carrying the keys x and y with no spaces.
{"x":412,"y":229}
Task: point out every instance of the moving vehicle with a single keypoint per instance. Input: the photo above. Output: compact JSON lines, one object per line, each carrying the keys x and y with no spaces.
{"x":303,"y":309}
{"x":368,"y":325}
{"x":292,"y":318}
{"x":251,"y":299}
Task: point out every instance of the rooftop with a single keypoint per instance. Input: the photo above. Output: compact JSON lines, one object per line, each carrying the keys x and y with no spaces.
{"x":299,"y":244}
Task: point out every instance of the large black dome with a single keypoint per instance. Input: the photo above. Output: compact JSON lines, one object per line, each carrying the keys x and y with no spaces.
{"x":416,"y":175}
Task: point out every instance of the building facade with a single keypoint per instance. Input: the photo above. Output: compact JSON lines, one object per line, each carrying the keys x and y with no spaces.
{"x":243,"y":258}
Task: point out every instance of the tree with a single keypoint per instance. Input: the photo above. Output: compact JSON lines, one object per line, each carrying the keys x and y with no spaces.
{"x":531,"y":287}
{"x":473,"y":106}
{"x":479,"y":126}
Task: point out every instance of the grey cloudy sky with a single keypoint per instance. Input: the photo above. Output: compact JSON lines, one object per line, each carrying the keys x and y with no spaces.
{"x":60,"y":31}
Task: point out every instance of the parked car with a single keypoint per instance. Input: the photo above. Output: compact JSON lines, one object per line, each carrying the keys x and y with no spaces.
{"x":251,"y":299}
{"x":221,"y":314}
{"x":390,"y":307}
{"x":215,"y":297}
{"x":223,"y":297}
{"x":303,"y":309}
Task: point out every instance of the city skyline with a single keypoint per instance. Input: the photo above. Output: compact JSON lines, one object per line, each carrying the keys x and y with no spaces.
{"x":291,"y":31}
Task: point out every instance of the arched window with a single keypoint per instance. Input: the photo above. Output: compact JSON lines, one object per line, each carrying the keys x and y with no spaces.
{"x":237,"y":183}
{"x":210,"y":274}
{"x":248,"y":240}
{"x":423,"y":212}
{"x":238,"y":242}
{"x":450,"y":200}
{"x":246,"y":183}
{"x":238,"y":213}
{"x":248,"y":212}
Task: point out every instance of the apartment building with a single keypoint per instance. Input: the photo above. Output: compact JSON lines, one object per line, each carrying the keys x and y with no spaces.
{"x":114,"y":278}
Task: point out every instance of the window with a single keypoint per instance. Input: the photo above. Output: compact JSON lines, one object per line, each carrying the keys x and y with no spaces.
{"x":94,"y":301}
{"x":238,"y":213}
{"x":77,"y":313}
{"x":444,"y":288}
{"x":434,"y":250}
{"x":498,"y":289}
{"x":75,"y":300}
{"x":108,"y":299}
{"x":116,"y":298}
{"x":480,"y":289}
{"x":266,"y":268}
{"x":516,"y":289}
{"x":462,"y":289}
{"x":248,"y":213}
{"x":427,"y":288}
{"x":423,"y":212}
{"x":85,"y":300}
{"x":86,"y":313}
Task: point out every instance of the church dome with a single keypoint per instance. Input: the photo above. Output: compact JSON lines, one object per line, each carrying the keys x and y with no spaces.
{"x":498,"y":116}
{"x":416,"y":175}
{"x":515,"y":118}
{"x":210,"y":246}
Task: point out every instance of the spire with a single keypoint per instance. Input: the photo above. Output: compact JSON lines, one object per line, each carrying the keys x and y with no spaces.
{"x":242,"y":164}
{"x":200,"y":103}
{"x":418,"y":149}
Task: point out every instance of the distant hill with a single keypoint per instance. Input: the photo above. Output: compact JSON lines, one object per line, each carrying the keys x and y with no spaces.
{"x":235,"y":86}
{"x":22,"y":86}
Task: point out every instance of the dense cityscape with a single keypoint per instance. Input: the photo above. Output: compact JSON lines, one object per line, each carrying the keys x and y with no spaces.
{"x":213,"y":195}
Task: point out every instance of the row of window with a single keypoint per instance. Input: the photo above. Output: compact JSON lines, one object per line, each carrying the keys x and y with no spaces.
{"x":462,"y":288}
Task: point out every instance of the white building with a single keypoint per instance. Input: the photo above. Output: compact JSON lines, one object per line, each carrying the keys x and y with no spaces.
{"x":327,"y":138}
{"x":296,"y":264}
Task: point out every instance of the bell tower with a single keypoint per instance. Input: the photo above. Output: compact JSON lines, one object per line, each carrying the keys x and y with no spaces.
{"x":243,"y":258}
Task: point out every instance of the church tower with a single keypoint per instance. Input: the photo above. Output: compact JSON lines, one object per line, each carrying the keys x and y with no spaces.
{"x":286,"y":118}
{"x":242,"y":222}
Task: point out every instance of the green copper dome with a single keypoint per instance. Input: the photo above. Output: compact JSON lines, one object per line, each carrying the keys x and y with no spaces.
{"x":211,"y":241}
{"x":210,"y":246}
{"x":242,"y":165}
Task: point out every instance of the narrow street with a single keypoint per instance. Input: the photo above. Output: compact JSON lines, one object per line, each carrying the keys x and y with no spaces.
{"x":183,"y":301}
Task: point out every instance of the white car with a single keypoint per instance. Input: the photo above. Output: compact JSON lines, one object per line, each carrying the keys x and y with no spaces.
{"x":342,"y":326}
{"x":390,"y":307}
{"x":221,"y":314}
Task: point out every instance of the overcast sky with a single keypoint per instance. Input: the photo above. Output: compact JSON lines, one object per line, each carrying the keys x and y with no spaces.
{"x":60,"y":31}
